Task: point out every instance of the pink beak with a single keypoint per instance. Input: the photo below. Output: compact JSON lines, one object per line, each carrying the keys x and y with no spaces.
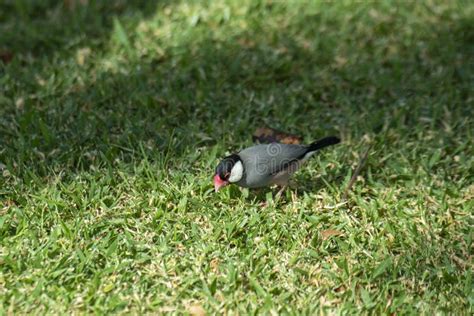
{"x":218,"y":183}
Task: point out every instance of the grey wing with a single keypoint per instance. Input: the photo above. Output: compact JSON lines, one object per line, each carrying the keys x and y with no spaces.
{"x":263,"y":161}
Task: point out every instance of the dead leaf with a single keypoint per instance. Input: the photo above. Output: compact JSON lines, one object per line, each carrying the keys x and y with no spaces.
{"x":270,"y":135}
{"x":330,"y":232}
{"x":196,"y":310}
{"x":6,"y":56}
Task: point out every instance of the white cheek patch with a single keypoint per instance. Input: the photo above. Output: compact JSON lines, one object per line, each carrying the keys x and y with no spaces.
{"x":236,"y":172}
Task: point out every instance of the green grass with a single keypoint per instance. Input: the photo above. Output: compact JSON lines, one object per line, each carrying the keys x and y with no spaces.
{"x":113,"y":117}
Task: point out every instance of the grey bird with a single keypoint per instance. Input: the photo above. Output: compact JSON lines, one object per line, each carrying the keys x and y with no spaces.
{"x":265,"y":165}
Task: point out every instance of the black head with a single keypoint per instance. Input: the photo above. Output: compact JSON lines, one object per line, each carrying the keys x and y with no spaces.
{"x":224,"y":168}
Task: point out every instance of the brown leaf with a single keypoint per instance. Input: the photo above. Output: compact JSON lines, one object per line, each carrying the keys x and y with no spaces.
{"x":269,"y":135}
{"x":196,"y":310}
{"x":6,"y":56}
{"x":330,"y":232}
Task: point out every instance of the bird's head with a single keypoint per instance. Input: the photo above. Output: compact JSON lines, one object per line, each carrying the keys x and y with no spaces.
{"x":229,"y":170}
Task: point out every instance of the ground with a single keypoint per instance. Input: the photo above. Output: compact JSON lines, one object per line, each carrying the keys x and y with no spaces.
{"x":113,"y":115}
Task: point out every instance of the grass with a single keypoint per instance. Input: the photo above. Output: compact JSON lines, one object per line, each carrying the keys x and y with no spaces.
{"x":113,"y":116}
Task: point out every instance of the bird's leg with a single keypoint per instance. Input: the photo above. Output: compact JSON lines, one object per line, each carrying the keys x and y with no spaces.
{"x":280,"y":192}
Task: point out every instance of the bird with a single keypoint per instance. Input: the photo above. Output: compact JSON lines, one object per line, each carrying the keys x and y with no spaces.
{"x":266,"y":164}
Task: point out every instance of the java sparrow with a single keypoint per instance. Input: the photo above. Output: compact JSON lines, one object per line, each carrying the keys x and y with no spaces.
{"x":266,"y":164}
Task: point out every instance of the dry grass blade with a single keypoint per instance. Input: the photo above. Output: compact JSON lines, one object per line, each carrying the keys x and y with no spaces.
{"x":330,"y":232}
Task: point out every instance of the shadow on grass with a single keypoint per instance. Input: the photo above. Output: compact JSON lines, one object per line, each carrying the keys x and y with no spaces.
{"x":299,"y":76}
{"x":42,"y":29}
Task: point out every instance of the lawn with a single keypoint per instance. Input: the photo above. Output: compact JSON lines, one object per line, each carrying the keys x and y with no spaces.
{"x":114,"y":114}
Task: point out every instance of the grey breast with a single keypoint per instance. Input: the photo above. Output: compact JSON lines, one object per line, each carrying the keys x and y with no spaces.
{"x":262,"y":162}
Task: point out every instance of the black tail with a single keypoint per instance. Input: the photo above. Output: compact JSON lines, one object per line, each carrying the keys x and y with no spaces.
{"x":324,"y":142}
